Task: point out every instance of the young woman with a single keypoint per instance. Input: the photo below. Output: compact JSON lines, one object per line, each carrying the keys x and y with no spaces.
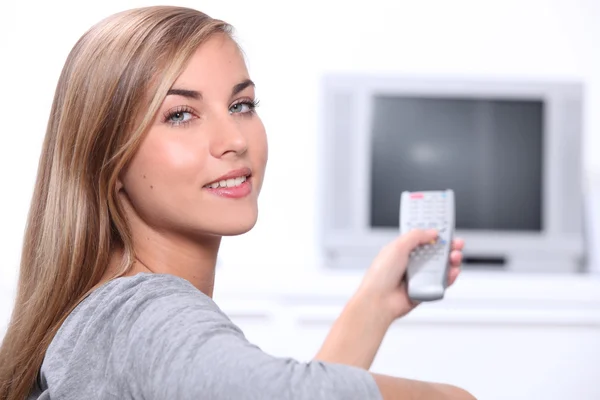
{"x":153,"y":152}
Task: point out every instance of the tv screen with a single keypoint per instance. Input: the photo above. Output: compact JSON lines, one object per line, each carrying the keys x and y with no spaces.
{"x":489,"y":151}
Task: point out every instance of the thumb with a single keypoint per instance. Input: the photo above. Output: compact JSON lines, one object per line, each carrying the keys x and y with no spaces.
{"x":409,"y":241}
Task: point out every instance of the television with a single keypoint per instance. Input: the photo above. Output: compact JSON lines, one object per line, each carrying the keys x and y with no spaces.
{"x":510,"y":150}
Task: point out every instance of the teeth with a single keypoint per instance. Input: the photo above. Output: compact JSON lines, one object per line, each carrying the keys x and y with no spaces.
{"x":228,"y":183}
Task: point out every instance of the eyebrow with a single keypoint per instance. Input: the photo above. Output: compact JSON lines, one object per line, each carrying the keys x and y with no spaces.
{"x":195,"y":95}
{"x":241,"y":86}
{"x":190,"y":94}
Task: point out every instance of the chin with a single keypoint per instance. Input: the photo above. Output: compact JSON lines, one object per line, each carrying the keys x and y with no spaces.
{"x":233,"y":225}
{"x":235,"y":228}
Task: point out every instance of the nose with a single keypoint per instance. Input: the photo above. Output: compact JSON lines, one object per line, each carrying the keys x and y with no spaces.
{"x":228,"y":138}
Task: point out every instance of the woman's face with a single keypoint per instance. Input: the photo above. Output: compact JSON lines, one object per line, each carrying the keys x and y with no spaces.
{"x":200,"y":168}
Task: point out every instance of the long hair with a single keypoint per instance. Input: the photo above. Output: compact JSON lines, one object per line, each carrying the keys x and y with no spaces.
{"x":110,"y":89}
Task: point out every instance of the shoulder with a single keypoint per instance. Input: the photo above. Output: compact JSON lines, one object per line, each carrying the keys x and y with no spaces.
{"x":141,"y":302}
{"x":144,"y":286}
{"x":126,"y":307}
{"x":125,"y":319}
{"x":124,"y":302}
{"x":131,"y":295}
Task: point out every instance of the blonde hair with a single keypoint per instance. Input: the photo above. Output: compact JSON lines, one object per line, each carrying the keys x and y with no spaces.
{"x":112,"y":84}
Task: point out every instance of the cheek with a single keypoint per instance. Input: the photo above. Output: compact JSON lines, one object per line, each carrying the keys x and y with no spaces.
{"x":259,"y":142}
{"x":164,"y":165}
{"x":260,"y":155}
{"x":264,"y":148}
{"x":180,"y":161}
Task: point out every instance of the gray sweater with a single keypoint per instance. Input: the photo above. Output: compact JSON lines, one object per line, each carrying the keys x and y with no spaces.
{"x":156,"y":336}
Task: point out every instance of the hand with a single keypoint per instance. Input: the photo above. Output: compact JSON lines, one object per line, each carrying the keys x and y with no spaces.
{"x":383,"y":281}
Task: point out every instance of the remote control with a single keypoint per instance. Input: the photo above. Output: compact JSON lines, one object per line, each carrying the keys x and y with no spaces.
{"x":427,"y":271}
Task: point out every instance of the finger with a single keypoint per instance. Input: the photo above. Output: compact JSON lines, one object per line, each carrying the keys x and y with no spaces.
{"x":453,"y":273}
{"x":458,"y":244}
{"x":417,"y":237}
{"x":456,"y":257}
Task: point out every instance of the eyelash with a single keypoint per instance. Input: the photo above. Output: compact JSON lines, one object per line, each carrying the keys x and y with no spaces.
{"x":252,"y":104}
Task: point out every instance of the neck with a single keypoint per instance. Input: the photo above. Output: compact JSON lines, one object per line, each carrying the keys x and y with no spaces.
{"x":191,"y":259}
{"x":161,"y":251}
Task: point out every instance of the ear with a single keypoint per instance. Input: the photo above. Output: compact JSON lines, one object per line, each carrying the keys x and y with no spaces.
{"x":119,"y":186}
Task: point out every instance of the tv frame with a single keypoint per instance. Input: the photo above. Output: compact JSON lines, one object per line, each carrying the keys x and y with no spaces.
{"x":348,"y":241}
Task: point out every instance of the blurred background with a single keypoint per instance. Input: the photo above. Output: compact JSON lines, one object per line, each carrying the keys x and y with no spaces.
{"x":496,"y":99}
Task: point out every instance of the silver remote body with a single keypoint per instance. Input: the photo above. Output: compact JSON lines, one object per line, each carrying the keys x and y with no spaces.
{"x":427,"y":271}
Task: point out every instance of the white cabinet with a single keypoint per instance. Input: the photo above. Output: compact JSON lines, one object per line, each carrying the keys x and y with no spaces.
{"x":494,"y":362}
{"x":533,"y":338}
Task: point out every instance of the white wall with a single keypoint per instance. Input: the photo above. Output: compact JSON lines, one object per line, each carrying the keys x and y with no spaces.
{"x":289,"y":45}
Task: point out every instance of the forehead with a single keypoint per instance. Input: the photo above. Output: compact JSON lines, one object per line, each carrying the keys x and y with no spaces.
{"x":216,"y":61}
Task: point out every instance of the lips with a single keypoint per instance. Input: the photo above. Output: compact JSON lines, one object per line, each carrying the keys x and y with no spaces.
{"x":231,"y":179}
{"x":227,"y":183}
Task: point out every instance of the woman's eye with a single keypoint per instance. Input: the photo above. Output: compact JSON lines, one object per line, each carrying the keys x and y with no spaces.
{"x":180,"y":116}
{"x":240,"y":108}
